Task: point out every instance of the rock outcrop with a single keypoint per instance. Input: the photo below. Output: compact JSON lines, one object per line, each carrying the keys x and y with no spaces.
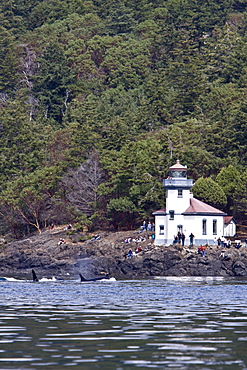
{"x":50,"y":257}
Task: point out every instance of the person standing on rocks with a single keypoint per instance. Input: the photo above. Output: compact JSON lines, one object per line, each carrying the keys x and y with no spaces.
{"x":183,"y":239}
{"x":191,"y":236}
{"x":204,"y":248}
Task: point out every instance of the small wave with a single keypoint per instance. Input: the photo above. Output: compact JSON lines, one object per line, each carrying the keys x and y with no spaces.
{"x":11,"y":279}
{"x":190,"y":278}
{"x":43,"y":279}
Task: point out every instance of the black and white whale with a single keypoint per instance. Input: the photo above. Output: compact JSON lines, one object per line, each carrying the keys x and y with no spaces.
{"x":94,"y":279}
{"x":35,"y":279}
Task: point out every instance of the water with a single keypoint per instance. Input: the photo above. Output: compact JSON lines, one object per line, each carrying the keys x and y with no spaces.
{"x":165,"y":323}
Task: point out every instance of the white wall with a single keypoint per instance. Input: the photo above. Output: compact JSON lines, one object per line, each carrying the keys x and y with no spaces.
{"x":194,"y":224}
{"x":160,"y":239}
{"x":178,"y":204}
{"x":191,"y":224}
{"x":230,"y":229}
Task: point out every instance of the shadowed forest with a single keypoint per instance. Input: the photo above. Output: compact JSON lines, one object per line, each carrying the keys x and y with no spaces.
{"x":98,"y":98}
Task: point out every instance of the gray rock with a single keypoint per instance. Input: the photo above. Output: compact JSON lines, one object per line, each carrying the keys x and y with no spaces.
{"x":109,"y":255}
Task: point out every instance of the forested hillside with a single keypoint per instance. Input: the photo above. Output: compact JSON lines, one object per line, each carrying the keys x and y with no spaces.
{"x":98,"y":98}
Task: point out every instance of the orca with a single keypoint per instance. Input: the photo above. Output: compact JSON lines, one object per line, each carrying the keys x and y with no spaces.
{"x":94,"y":279}
{"x":35,"y":279}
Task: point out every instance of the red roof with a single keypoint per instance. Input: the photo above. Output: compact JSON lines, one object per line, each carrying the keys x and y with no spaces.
{"x":178,"y":166}
{"x":228,"y":219}
{"x":197,"y":206}
{"x":161,"y":211}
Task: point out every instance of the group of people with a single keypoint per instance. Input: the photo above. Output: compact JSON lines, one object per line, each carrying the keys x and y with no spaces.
{"x":179,"y":238}
{"x":227,"y":243}
{"x":131,"y":253}
{"x":222,"y":242}
{"x":147,"y":226}
{"x":140,"y":239}
{"x":202,"y":250}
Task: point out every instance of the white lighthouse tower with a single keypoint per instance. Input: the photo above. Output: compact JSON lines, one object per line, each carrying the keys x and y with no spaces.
{"x":170,"y":220}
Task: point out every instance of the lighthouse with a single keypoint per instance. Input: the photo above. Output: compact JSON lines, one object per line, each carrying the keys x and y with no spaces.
{"x":185,"y":214}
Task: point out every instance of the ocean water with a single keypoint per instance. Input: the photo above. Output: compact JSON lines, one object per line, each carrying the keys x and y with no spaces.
{"x":160,"y":323}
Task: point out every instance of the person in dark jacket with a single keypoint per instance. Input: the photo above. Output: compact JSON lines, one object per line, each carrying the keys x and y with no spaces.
{"x":191,"y":236}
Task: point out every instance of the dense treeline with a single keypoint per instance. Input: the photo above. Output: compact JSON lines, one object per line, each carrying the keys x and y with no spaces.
{"x":98,"y":98}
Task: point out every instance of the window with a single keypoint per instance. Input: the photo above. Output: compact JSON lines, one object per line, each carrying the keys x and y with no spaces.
{"x":180,"y":228}
{"x":180,"y":193}
{"x":162,"y":230}
{"x":214,"y":227}
{"x":204,"y":227}
{"x":171,"y":213}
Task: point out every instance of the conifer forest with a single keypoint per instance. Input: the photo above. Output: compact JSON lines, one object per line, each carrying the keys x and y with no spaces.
{"x":98,"y":98}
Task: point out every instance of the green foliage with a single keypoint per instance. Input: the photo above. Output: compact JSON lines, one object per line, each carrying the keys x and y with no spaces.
{"x":8,"y":62}
{"x":29,"y":196}
{"x":120,"y":19}
{"x":22,"y":143}
{"x":234,"y":186}
{"x":122,"y":212}
{"x":52,"y":83}
{"x":46,"y":11}
{"x":133,"y":187}
{"x":138,"y":82}
{"x":209,"y":192}
{"x":241,"y":198}
{"x":228,"y":179}
{"x":82,"y":222}
{"x":126,"y":63}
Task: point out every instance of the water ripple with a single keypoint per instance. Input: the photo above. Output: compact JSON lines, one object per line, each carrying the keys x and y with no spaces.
{"x":181,"y":323}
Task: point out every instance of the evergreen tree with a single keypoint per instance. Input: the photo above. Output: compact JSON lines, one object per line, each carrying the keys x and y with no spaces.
{"x":133,"y":183}
{"x":209,"y":192}
{"x":231,"y":182}
{"x":51,"y":84}
{"x":22,"y":142}
{"x":30,"y":196}
{"x":120,"y":19}
{"x":8,"y":64}
{"x":185,"y":73}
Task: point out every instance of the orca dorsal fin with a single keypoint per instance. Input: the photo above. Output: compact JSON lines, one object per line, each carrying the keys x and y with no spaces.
{"x":82,"y":278}
{"x":35,"y":279}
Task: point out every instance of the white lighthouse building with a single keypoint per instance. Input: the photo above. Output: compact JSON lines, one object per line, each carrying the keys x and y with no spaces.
{"x":187,"y":215}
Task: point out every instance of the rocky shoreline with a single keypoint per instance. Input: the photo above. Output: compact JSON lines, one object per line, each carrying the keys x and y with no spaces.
{"x":108,"y":255}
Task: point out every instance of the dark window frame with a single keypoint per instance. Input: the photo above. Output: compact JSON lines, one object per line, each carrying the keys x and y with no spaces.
{"x":214,"y":227}
{"x":162,"y":230}
{"x":171,"y":213}
{"x":204,"y":226}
